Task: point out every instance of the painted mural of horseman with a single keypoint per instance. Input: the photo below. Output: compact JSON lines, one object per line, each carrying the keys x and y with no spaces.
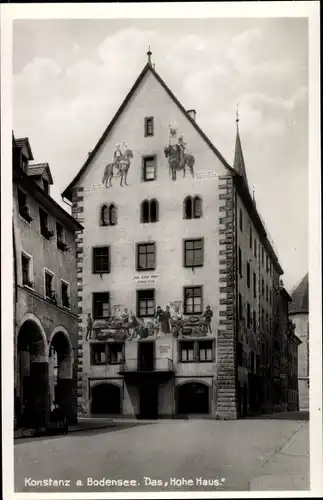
{"x":121,"y":163}
{"x":177,"y":158}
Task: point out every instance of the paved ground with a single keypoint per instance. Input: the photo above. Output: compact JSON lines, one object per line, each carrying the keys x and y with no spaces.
{"x":254,"y":454}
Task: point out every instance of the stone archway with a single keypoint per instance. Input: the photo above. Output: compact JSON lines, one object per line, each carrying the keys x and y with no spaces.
{"x":193,"y":398}
{"x":105,"y":399}
{"x":31,"y":405}
{"x":62,"y":386}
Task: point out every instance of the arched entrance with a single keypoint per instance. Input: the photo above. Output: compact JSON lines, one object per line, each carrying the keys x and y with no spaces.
{"x":32,"y":374}
{"x":193,"y":397}
{"x":62,"y":387}
{"x":106,"y":399}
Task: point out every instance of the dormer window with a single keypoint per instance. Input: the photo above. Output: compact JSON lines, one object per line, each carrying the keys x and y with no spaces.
{"x":46,"y":186}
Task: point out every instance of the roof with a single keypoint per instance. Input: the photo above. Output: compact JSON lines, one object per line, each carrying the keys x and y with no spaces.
{"x":299,"y":304}
{"x":148,"y":67}
{"x":38,"y":170}
{"x":24,"y":142}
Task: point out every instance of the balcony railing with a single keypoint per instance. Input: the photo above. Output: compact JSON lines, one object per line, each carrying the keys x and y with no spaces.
{"x":158,"y":365}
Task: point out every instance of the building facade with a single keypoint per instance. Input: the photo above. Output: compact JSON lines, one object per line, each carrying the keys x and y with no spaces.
{"x":45,"y":300}
{"x":176,"y":275}
{"x":299,"y":314}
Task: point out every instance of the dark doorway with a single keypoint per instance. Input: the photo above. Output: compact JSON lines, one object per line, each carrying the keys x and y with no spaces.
{"x":146,"y":351}
{"x":148,"y":399}
{"x":106,"y":400}
{"x":192,"y":398}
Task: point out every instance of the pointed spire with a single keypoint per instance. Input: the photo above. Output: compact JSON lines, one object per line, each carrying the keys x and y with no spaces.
{"x":149,"y":54}
{"x":238,"y":163}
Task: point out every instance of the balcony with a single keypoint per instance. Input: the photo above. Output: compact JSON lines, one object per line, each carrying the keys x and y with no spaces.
{"x":158,"y":366}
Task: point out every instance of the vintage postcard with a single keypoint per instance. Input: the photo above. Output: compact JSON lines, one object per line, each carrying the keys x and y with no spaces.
{"x":161,"y":250}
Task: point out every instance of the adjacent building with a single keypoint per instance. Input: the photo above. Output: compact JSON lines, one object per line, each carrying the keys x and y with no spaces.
{"x":177,"y":279}
{"x":299,"y":314}
{"x":45,"y":293}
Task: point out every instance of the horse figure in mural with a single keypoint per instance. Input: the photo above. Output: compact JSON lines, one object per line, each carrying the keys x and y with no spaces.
{"x":178,"y":160}
{"x":122,"y":166}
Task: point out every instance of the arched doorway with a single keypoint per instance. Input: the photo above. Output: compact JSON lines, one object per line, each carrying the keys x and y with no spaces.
{"x":62,"y":386}
{"x":193,"y":397}
{"x":32,"y":375}
{"x":106,"y":399}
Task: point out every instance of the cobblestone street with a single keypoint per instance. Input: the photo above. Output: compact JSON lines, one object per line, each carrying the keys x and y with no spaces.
{"x":264,"y":453}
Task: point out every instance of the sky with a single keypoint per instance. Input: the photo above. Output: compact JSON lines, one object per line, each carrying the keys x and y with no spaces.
{"x":71,"y":76}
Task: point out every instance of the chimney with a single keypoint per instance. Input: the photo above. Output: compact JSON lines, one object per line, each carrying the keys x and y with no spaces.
{"x":192,"y":113}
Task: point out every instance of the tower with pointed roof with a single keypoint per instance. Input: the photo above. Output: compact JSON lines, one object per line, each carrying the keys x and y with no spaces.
{"x":174,"y":266}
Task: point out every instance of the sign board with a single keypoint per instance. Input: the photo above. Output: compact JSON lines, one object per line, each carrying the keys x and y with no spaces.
{"x":145,"y":279}
{"x":164,"y":348}
{"x":205,"y":175}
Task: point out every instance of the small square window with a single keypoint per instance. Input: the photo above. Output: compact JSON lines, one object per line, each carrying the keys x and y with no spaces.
{"x":149,"y":126}
{"x":149,"y":168}
{"x":146,"y":256}
{"x":193,"y":300}
{"x":145,"y":303}
{"x":101,"y":305}
{"x":101,"y":260}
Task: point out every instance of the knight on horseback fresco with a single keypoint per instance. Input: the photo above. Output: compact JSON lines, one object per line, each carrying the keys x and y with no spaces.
{"x":177,"y":158}
{"x":120,"y":163}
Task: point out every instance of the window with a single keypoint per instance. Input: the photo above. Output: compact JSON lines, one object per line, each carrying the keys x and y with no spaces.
{"x":192,"y":207}
{"x":270,"y":299}
{"x":240,"y":220}
{"x":65,"y":294}
{"x":26,"y":270}
{"x":254,"y":321}
{"x":43,"y":220}
{"x":240,"y":307}
{"x":146,"y":256}
{"x":46,"y":186}
{"x":254,"y":285}
{"x":267,"y":263}
{"x":149,"y":211}
{"x":205,"y":351}
{"x":250,"y":238}
{"x":116,"y":353}
{"x":248,"y":275}
{"x":98,"y":354}
{"x":248,"y":315}
{"x":255,"y":248}
{"x":49,"y":281}
{"x":239,"y":353}
{"x":101,"y":260}
{"x":262,"y":256}
{"x":60,"y":235}
{"x":22,"y":206}
{"x":145,"y":303}
{"x":193,"y":253}
{"x":186,"y":350}
{"x":193,"y":300}
{"x":101,"y":305}
{"x":149,"y":168}
{"x":267,"y":293}
{"x":262,"y":287}
{"x":108,"y":215}
{"x":262,"y":317}
{"x":240,"y":262}
{"x":149,"y":126}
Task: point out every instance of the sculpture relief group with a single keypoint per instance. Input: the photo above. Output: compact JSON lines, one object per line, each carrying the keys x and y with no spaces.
{"x":165,"y":321}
